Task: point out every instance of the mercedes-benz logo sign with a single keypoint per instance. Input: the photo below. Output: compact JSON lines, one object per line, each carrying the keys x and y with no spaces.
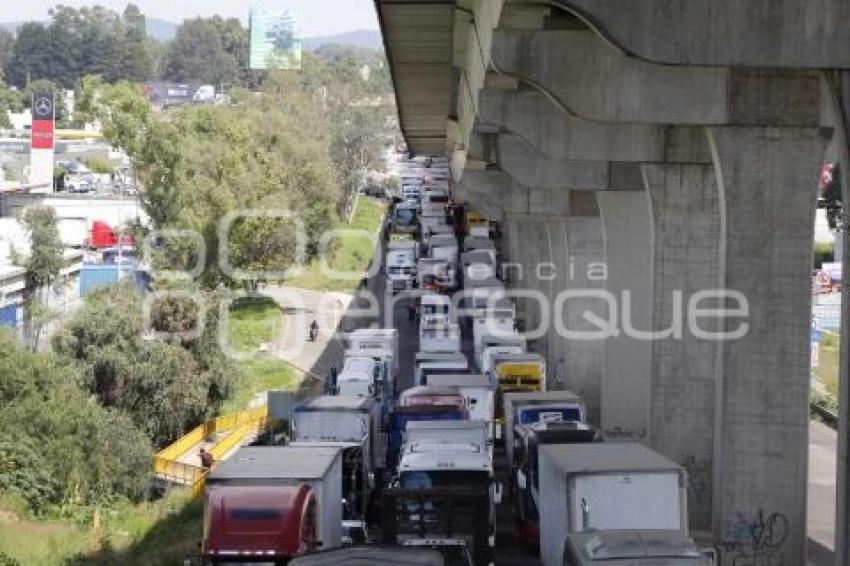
{"x":43,"y":106}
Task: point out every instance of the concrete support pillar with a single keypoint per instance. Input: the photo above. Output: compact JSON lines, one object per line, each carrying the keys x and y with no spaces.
{"x":686,"y":260}
{"x":839,"y":86}
{"x":532,"y":252}
{"x":765,"y":178}
{"x":627,"y":359}
{"x":587,"y":270}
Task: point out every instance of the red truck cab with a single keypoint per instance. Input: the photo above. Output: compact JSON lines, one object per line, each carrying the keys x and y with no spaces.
{"x":259,"y":523}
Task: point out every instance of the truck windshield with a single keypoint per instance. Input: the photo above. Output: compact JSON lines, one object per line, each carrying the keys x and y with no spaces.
{"x":456,"y":479}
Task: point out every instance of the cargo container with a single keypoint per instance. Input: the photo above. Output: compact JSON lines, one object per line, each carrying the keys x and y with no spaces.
{"x":607,"y":487}
{"x":352,"y":425}
{"x":478,"y":393}
{"x":271,"y":466}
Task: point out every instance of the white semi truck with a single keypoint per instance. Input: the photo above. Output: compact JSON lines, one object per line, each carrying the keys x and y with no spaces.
{"x":445,"y":460}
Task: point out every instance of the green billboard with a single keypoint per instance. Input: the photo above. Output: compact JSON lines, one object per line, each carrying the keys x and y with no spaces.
{"x":275,"y":42}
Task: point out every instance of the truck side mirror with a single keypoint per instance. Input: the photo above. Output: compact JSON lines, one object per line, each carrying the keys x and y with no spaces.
{"x":497,"y":493}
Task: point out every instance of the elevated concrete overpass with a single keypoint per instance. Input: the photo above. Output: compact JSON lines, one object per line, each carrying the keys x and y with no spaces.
{"x":656,"y":151}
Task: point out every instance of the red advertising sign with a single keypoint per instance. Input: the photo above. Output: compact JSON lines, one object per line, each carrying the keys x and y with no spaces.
{"x":42,"y":134}
{"x":43,"y":115}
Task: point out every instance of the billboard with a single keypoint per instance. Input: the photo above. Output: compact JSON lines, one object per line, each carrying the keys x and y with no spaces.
{"x":275,"y":41}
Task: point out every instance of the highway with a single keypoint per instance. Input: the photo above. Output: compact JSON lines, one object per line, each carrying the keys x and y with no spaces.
{"x":512,"y":552}
{"x":509,"y":550}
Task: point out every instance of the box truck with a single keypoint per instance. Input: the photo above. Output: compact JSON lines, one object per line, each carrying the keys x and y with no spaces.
{"x":607,"y":487}
{"x":275,"y":466}
{"x":448,"y":363}
{"x":525,"y":477}
{"x":529,"y":407}
{"x":352,"y":425}
{"x":376,"y":342}
{"x":478,"y":392}
{"x":439,"y":337}
{"x":363,"y":376}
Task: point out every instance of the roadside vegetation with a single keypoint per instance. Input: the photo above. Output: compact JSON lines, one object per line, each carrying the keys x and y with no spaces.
{"x":81,"y":422}
{"x":350,"y":254}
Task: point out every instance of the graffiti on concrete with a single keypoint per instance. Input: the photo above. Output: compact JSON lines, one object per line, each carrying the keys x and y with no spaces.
{"x":699,"y":477}
{"x":756,"y":540}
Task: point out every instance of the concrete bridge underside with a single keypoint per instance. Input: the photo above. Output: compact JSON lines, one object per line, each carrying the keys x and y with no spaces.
{"x":654,"y":150}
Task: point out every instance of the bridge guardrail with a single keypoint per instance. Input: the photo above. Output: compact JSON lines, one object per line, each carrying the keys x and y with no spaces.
{"x":238,"y":425}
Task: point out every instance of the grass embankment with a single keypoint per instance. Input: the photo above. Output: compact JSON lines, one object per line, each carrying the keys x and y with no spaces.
{"x":254,"y":323}
{"x":827,"y":372}
{"x":159,"y":532}
{"x":351,"y":255}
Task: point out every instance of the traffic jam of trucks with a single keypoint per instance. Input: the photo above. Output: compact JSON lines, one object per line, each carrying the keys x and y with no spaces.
{"x":385,"y":468}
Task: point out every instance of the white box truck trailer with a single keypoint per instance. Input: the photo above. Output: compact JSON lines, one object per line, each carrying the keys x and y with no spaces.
{"x":607,"y":487}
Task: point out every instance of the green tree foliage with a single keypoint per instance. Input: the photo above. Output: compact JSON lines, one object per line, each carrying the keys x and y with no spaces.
{"x":208,"y":50}
{"x":45,"y":256}
{"x":57,"y":448}
{"x":42,"y":264}
{"x":85,"y":41}
{"x":7,"y":48}
{"x":358,"y":93}
{"x":199,"y":164}
{"x":166,"y":387}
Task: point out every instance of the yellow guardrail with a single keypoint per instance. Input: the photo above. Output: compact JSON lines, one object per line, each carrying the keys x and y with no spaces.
{"x":238,"y":426}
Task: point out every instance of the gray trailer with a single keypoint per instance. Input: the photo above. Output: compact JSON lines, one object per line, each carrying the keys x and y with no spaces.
{"x":319,"y":467}
{"x":513,"y":401}
{"x":635,"y":548}
{"x":372,"y":555}
{"x":342,"y":418}
{"x":607,"y":487}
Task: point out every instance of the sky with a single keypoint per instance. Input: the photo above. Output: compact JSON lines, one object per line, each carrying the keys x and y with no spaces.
{"x":315,"y":17}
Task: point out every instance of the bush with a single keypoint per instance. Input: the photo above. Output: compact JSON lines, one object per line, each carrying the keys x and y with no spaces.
{"x":99,"y":165}
{"x":166,"y":387}
{"x":58,"y":448}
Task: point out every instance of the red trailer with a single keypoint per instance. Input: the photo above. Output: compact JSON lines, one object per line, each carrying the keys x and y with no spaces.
{"x":259,"y":523}
{"x":426,"y":396}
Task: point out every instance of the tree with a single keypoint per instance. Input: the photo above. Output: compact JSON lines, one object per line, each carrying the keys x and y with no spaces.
{"x":205,"y":162}
{"x":79,"y":42}
{"x":165,"y":387}
{"x":138,"y":47}
{"x":29,"y":58}
{"x":42,"y":264}
{"x":208,"y":50}
{"x":56,"y":446}
{"x":361,"y":104}
{"x":7,"y":49}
